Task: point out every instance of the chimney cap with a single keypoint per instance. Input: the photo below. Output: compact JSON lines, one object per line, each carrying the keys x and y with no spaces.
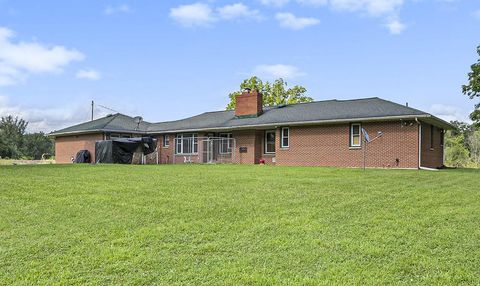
{"x":247,"y":89}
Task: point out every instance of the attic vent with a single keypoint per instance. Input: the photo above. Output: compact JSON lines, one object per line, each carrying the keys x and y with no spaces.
{"x":109,"y":115}
{"x":281,"y":106}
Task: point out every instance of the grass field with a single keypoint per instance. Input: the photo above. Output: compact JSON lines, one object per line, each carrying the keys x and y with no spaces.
{"x":237,"y":225}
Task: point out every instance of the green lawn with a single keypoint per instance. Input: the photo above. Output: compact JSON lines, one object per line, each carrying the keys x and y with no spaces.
{"x":237,"y":225}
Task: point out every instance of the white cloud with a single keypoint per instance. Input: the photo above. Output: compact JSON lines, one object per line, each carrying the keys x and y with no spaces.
{"x":395,"y":26}
{"x":288,"y":20}
{"x":275,"y":3}
{"x":237,"y":10}
{"x":20,"y":59}
{"x":449,"y":112}
{"x":123,"y":8}
{"x":200,"y":14}
{"x":278,"y":71}
{"x":88,"y":74}
{"x":372,"y":7}
{"x":197,"y":14}
{"x":476,"y":14}
{"x":49,"y":119}
{"x":313,"y":2}
{"x":387,"y":9}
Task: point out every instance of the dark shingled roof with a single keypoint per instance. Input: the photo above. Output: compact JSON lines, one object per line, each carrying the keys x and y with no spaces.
{"x":366,"y":109}
{"x":111,"y":123}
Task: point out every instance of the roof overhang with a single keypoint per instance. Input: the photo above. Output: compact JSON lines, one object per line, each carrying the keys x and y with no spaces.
{"x":94,"y":131}
{"x":428,"y":118}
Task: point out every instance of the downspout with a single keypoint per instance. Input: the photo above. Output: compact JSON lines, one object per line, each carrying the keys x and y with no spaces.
{"x":419,"y":143}
{"x":443,"y":148}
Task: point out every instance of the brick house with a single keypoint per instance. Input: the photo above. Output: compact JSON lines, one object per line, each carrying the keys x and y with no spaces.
{"x":322,"y":133}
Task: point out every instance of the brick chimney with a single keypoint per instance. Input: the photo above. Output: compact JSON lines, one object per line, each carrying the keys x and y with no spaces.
{"x":249,"y":104}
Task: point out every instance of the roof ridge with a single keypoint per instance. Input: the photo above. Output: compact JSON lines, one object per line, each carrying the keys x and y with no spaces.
{"x":288,"y":104}
{"x":113,"y":117}
{"x":404,"y":106}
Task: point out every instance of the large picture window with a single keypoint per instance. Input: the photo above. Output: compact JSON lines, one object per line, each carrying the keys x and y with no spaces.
{"x":187,"y":143}
{"x":355,"y":135}
{"x":225,"y":143}
{"x":285,"y":137}
{"x":270,"y":142}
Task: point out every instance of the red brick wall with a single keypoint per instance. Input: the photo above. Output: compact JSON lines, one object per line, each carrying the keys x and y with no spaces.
{"x":248,"y":103}
{"x":328,"y":145}
{"x":66,"y":147}
{"x":165,"y":155}
{"x":249,"y":140}
{"x":432,"y":156}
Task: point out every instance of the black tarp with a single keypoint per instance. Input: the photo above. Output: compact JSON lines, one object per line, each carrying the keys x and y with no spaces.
{"x":83,"y":156}
{"x":103,"y":151}
{"x":121,"y":150}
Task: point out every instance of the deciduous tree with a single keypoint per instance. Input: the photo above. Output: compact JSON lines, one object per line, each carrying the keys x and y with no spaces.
{"x":472,"y":88}
{"x":274,"y":94}
{"x":12,"y":130}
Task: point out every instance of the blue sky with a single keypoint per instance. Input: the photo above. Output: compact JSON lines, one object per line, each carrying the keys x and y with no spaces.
{"x":166,"y":60}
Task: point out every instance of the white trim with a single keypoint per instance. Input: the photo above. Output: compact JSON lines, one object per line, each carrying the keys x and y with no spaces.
{"x":265,"y":139}
{"x":428,"y":169}
{"x":283,"y":137}
{"x":359,"y":135}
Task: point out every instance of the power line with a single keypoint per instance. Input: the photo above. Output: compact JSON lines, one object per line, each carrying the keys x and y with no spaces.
{"x":108,"y":108}
{"x":101,"y":106}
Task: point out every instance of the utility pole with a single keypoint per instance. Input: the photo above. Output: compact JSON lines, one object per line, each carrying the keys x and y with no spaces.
{"x":92,"y":109}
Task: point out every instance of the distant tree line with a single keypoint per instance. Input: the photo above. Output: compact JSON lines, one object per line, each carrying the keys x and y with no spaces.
{"x":16,"y":143}
{"x":462,"y":145}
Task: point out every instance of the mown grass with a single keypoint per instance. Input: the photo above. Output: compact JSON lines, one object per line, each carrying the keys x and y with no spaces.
{"x":237,"y":225}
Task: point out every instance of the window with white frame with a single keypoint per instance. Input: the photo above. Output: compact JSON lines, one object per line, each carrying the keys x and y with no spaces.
{"x":355,"y":135}
{"x":225,"y":143}
{"x":285,"y":137}
{"x":187,"y":143}
{"x":270,"y":142}
{"x":166,"y":140}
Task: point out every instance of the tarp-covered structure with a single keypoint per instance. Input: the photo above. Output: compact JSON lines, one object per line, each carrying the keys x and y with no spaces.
{"x":121,"y":150}
{"x":83,"y":156}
